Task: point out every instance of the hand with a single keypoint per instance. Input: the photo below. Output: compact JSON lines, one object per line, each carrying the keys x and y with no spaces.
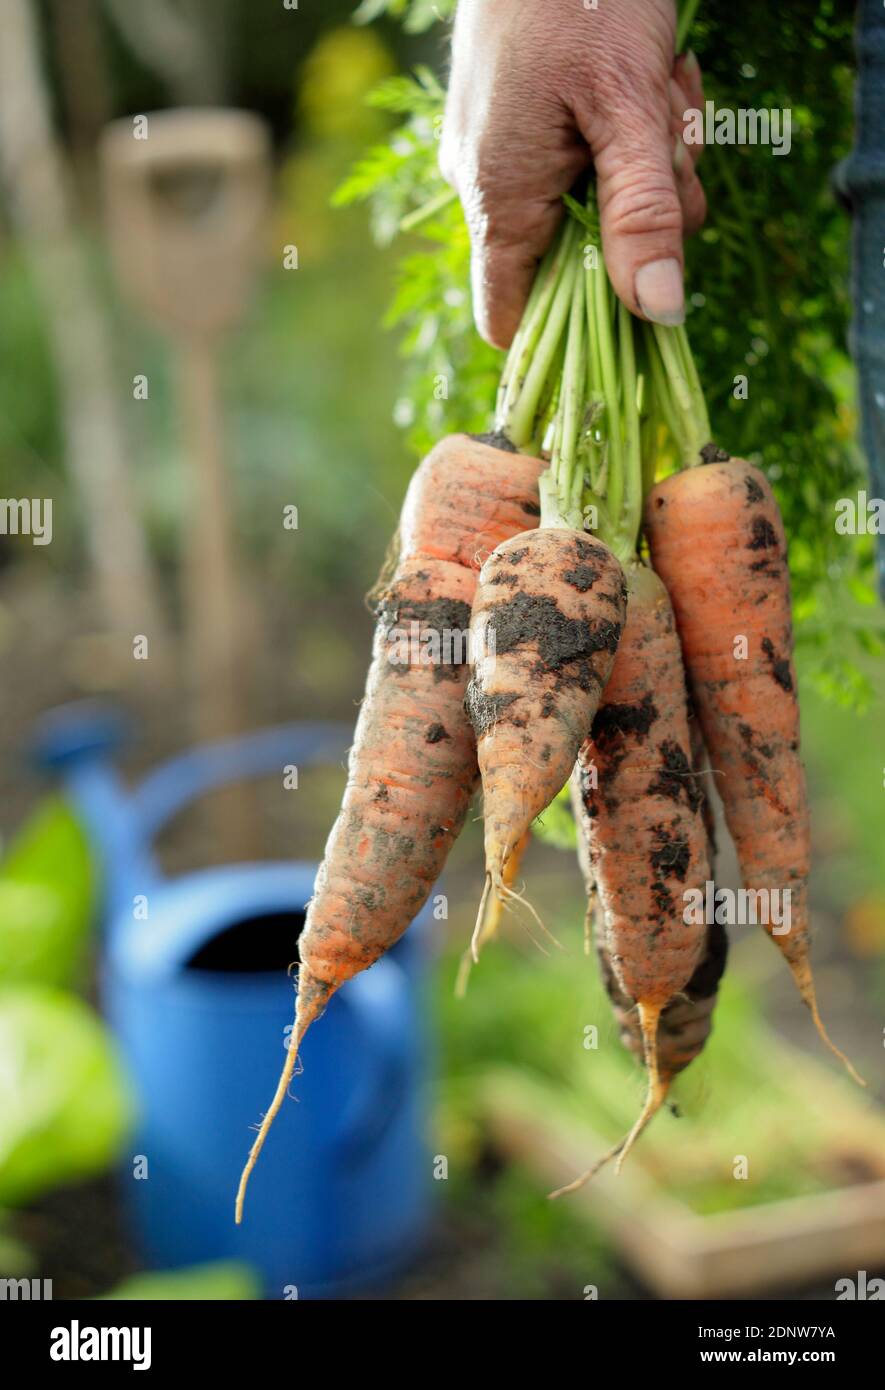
{"x":539,"y":88}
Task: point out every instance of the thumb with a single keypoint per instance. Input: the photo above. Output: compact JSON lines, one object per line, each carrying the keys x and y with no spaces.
{"x":641,"y":222}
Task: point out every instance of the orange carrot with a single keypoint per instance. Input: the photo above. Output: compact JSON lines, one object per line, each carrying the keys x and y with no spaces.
{"x":640,"y":812}
{"x":412,"y":768}
{"x":686,"y":1022}
{"x":647,"y":839}
{"x":717,"y":540}
{"x":547,"y":616}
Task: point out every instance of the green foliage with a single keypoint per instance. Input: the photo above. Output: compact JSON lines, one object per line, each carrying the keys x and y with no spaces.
{"x":450,"y":374}
{"x":17,"y":1260}
{"x":225,"y":1280}
{"x":556,"y":826}
{"x":838,"y":753}
{"x":63,"y":1100}
{"x":768,"y":286}
{"x":30,"y":438}
{"x":46,"y":899}
{"x":342,"y":67}
{"x":773,"y":267}
{"x":396,"y":173}
{"x":417,"y":15}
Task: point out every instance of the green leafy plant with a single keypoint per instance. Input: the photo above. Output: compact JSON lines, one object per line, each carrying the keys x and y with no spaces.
{"x":450,"y":374}
{"x":64,"y":1103}
{"x":47,"y":896}
{"x":768,"y":294}
{"x":417,"y":15}
{"x":225,"y":1281}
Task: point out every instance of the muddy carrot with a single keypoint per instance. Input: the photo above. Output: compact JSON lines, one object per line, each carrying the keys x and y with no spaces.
{"x":717,"y":540}
{"x":412,"y":768}
{"x":640,"y":813}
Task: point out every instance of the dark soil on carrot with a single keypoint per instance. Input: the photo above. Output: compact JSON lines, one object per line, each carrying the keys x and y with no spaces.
{"x":712,"y":453}
{"x":496,"y":439}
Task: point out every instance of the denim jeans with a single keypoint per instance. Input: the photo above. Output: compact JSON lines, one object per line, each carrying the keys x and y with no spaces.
{"x":861,"y":180}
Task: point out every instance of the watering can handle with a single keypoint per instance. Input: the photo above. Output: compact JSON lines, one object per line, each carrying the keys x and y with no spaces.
{"x":172,"y":786}
{"x":82,"y":732}
{"x":382,"y":1001}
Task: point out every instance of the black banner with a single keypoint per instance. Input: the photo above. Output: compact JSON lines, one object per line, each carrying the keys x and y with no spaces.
{"x":66,"y":1338}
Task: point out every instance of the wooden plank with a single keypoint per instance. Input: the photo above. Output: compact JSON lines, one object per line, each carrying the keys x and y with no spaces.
{"x":677,"y":1252}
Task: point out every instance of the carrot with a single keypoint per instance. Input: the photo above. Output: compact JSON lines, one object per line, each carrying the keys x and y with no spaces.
{"x":644,"y":824}
{"x":412,"y":768}
{"x":716,"y":538}
{"x":687,"y":1021}
{"x":550,"y":606}
{"x":640,"y":813}
{"x":547,"y":617}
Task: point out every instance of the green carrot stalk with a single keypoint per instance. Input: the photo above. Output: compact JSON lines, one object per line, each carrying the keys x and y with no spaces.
{"x":633,"y":492}
{"x":535,"y":347}
{"x":571,"y":389}
{"x":678,"y":391}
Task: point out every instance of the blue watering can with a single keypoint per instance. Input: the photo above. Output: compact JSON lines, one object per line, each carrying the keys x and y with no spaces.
{"x":195,"y":987}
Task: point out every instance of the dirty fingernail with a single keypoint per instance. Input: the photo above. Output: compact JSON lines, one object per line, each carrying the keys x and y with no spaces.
{"x":690,"y":61}
{"x":659,"y":291}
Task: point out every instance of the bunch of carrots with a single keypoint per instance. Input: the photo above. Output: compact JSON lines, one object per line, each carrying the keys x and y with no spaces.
{"x":603,"y":609}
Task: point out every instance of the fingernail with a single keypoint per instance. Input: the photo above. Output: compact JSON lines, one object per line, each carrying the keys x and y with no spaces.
{"x":690,"y":61}
{"x":659,"y":290}
{"x":679,"y":153}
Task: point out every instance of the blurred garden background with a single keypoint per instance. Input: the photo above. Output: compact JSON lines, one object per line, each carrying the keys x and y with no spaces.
{"x":325,"y":399}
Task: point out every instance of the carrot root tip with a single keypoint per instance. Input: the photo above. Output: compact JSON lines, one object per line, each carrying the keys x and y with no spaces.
{"x":836,"y":1051}
{"x":462,"y":979}
{"x":476,"y":939}
{"x":313,"y":995}
{"x":649,"y":1014}
{"x":801,"y":972}
{"x":510,"y":895}
{"x":586,"y":1177}
{"x":656,"y":1094}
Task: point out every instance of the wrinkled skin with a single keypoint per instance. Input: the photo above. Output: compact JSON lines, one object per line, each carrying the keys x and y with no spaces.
{"x":640,"y":805}
{"x":536,"y":91}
